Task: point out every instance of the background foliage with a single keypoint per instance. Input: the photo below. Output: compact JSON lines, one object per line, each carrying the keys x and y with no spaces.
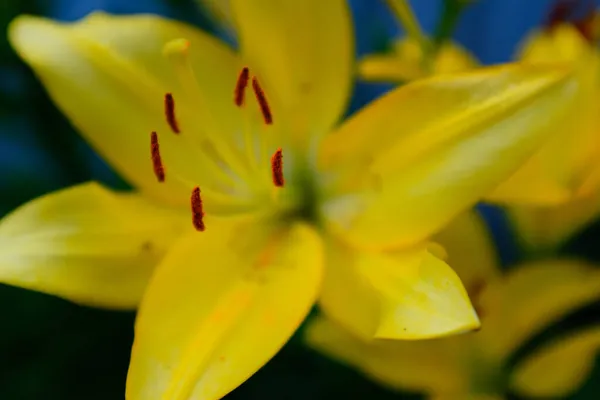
{"x":52,"y":349}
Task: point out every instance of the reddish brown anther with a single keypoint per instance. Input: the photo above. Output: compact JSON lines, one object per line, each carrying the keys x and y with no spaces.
{"x":197,"y":210}
{"x":159,"y":169}
{"x":262,"y":101}
{"x":277,"y":168}
{"x":240,"y":87}
{"x":170,"y":113}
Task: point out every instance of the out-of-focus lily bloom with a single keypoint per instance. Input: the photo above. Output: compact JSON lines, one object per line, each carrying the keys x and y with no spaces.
{"x":415,"y":56}
{"x":298,"y":209}
{"x":407,"y":61}
{"x":478,"y":365}
{"x":557,"y":192}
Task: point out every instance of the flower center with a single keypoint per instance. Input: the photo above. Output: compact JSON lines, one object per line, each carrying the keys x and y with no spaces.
{"x":244,"y":169}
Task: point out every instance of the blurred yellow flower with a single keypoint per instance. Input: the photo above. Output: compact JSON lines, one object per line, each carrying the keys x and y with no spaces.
{"x":298,"y":209}
{"x":557,"y":192}
{"x":477,"y":365}
{"x":407,"y":61}
{"x":414,"y":56}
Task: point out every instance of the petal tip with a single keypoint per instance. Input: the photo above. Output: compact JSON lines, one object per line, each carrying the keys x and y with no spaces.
{"x":389,"y":329}
{"x":24,"y":33}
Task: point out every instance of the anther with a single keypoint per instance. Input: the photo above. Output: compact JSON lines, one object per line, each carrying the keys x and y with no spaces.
{"x":277,"y":168}
{"x":262,"y":101}
{"x":170,"y":113}
{"x":159,"y":169}
{"x":240,"y":87}
{"x":197,"y":210}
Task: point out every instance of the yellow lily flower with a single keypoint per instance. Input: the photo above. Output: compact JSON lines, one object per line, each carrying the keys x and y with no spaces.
{"x":556,"y":193}
{"x":298,"y":209}
{"x":566,"y":168}
{"x":475,"y":365}
{"x":413,"y":56}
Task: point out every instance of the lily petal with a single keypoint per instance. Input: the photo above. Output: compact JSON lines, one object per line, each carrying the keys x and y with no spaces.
{"x":388,"y":68}
{"x":470,"y":251}
{"x":220,"y":306}
{"x":109,"y":76}
{"x":87,"y":244}
{"x":557,"y":370}
{"x":532,"y":297}
{"x":440,"y":145}
{"x":402,"y":295}
{"x":303,"y":51}
{"x":431,"y":366}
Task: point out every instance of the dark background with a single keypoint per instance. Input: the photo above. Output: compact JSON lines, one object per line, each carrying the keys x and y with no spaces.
{"x":52,"y":349}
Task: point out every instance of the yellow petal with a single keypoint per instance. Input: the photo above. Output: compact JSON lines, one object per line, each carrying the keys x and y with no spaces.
{"x":431,"y":366}
{"x":532,"y":297}
{"x":440,"y":145}
{"x":546,"y":227}
{"x":87,"y":244}
{"x":220,"y":306}
{"x":557,"y":370}
{"x":388,"y":68}
{"x":470,"y":251}
{"x":451,"y":58}
{"x":403,"y":295}
{"x":109,"y":76}
{"x":561,"y":43}
{"x":303,"y":51}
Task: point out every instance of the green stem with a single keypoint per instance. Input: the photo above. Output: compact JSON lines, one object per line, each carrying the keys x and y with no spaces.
{"x":445,"y":28}
{"x":407,"y":19}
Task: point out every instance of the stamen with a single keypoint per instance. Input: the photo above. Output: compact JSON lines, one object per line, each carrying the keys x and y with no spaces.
{"x":197,"y":210}
{"x":240,"y":87}
{"x":277,"y":168}
{"x":262,"y":101}
{"x":170,"y":113}
{"x":159,"y":169}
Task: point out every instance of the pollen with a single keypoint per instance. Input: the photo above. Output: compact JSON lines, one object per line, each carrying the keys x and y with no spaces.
{"x":197,"y":210}
{"x":277,"y":168}
{"x":240,"y":87}
{"x":170,"y":113}
{"x":159,"y":169}
{"x":262,"y":101}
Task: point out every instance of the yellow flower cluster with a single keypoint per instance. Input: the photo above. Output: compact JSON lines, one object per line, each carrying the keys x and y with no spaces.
{"x":254,"y":201}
